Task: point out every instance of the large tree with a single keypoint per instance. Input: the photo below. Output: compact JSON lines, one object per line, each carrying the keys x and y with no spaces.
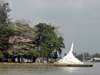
{"x":4,"y":13}
{"x":47,"y":40}
{"x":4,"y":31}
{"x":22,"y":40}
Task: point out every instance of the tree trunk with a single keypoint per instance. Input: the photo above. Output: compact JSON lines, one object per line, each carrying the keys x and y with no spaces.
{"x":34,"y":59}
{"x":46,"y":59}
{"x":18,"y":58}
{"x":21,"y":59}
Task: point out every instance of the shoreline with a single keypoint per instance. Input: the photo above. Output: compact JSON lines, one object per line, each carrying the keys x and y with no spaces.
{"x":47,"y":64}
{"x":28,"y":64}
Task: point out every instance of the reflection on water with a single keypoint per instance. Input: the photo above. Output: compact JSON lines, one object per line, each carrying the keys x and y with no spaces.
{"x":49,"y":70}
{"x":70,"y":69}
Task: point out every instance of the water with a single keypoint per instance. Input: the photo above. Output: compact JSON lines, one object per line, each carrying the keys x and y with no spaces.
{"x":47,"y":70}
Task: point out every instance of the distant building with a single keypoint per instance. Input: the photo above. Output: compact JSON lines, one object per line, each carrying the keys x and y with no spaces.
{"x":96,"y":59}
{"x":88,"y":59}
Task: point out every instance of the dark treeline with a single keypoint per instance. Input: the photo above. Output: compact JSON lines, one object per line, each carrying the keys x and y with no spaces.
{"x":87,"y":56}
{"x":18,"y":39}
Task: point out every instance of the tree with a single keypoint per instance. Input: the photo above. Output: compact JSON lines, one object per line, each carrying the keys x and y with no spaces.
{"x":4,"y":10}
{"x":22,"y":39}
{"x":46,"y":40}
{"x":4,"y":22}
{"x":1,"y":55}
{"x":61,"y":44}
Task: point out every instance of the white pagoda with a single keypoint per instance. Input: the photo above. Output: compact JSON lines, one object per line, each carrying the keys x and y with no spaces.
{"x":69,"y":58}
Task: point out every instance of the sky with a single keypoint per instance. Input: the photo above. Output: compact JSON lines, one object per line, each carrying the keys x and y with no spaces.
{"x":79,"y":20}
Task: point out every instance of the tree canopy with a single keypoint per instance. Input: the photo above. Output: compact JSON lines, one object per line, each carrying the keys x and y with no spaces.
{"x":4,"y":12}
{"x":4,"y":31}
{"x":22,"y":39}
{"x":47,"y":40}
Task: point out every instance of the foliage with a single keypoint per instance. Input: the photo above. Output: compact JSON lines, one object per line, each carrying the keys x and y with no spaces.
{"x":90,"y":55}
{"x":22,"y":39}
{"x":1,"y":55}
{"x":4,"y":31}
{"x":80,"y":57}
{"x":4,"y":10}
{"x":50,"y":61}
{"x":47,"y":40}
{"x":9,"y":60}
{"x":4,"y":34}
{"x":96,"y":55}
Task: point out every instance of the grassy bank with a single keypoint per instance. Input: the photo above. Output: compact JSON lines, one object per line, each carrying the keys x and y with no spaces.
{"x":23,"y":64}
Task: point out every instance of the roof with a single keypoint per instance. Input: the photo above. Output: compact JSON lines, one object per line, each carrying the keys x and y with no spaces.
{"x":96,"y":58}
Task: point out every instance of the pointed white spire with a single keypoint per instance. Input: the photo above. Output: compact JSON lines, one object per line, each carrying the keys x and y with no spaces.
{"x":72,"y":46}
{"x":69,"y":58}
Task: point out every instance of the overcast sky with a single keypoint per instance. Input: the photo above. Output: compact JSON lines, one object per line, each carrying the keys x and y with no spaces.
{"x":79,"y":20}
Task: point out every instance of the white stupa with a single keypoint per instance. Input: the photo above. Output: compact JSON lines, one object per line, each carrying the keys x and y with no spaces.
{"x":70,"y":58}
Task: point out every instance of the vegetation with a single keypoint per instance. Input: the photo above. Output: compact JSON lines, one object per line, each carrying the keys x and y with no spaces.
{"x":87,"y":56}
{"x":50,"y":61}
{"x":47,"y":40}
{"x":4,"y":31}
{"x":18,"y":39}
{"x":9,"y":60}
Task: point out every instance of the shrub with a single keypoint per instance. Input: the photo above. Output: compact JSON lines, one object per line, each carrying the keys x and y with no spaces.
{"x":9,"y":60}
{"x":50,"y":61}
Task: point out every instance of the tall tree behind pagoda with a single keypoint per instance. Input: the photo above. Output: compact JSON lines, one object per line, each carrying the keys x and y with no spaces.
{"x":47,"y":40}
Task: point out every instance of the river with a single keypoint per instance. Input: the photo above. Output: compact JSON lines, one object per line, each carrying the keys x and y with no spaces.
{"x":49,"y":70}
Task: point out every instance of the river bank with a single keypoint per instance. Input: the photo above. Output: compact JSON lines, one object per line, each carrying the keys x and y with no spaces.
{"x":30,"y":64}
{"x":48,"y":64}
